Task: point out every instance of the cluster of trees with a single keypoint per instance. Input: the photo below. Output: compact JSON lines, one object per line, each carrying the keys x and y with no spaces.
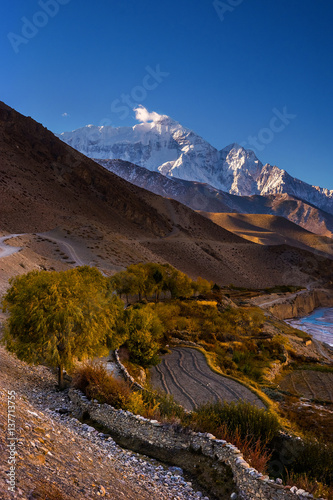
{"x":153,"y":280}
{"x":204,"y":321}
{"x":57,"y":317}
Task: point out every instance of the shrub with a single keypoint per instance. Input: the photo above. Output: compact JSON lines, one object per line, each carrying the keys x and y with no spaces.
{"x":249,"y":428}
{"x":247,"y":419}
{"x":315,"y":459}
{"x":136,"y":404}
{"x":255,"y":452}
{"x":97,"y":383}
{"x":143,"y":330}
{"x":166,"y":408}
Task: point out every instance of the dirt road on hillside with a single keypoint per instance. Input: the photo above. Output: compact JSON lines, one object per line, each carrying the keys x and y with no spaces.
{"x":6,"y":250}
{"x":185,"y":374}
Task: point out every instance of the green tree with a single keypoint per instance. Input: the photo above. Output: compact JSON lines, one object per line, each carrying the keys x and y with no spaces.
{"x":156,"y":274}
{"x":143,"y":285}
{"x":57,"y":317}
{"x":126,"y":283}
{"x":146,"y":280}
{"x":143,"y":330}
{"x":177,"y":283}
{"x":202,"y":286}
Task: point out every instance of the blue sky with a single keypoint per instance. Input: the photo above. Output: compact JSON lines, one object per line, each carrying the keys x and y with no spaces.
{"x":224,"y":69}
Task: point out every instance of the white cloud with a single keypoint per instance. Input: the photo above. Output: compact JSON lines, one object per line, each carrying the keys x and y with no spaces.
{"x":66,"y":115}
{"x":143,"y":115}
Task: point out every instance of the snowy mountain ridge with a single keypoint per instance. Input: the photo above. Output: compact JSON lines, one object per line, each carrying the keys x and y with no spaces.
{"x":160,"y":144}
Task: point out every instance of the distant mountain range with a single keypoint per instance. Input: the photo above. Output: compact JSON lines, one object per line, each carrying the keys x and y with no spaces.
{"x":203,"y":197}
{"x":163,"y":145}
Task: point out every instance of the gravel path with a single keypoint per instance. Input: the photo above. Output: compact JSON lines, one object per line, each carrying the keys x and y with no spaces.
{"x":186,"y":375}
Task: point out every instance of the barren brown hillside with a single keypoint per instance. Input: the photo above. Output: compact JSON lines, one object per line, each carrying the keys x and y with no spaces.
{"x":203,"y":197}
{"x":46,"y":186}
{"x":271,"y":230}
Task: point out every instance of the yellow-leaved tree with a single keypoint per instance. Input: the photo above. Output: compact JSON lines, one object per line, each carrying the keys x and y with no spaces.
{"x":57,"y":317}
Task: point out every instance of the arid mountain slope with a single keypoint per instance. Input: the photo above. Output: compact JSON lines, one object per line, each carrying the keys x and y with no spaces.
{"x":204,"y":197}
{"x":46,"y":186}
{"x":272,"y":230}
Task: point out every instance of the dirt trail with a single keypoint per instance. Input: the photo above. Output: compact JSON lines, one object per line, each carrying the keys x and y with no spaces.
{"x":65,"y":246}
{"x":186,"y":375}
{"x":6,"y":250}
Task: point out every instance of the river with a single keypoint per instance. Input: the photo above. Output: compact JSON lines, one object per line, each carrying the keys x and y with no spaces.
{"x":319,"y":324}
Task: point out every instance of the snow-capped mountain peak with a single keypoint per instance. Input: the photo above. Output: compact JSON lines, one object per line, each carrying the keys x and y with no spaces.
{"x":163,"y":145}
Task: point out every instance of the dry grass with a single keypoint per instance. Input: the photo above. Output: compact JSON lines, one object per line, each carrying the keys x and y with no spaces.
{"x":255,"y":452}
{"x":94,"y":380}
{"x":318,"y":490}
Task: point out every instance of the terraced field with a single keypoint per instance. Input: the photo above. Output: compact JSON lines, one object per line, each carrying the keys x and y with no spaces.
{"x":309,"y":384}
{"x":185,"y":374}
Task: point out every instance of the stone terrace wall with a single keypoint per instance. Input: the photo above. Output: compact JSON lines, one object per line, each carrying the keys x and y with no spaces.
{"x":125,"y":373}
{"x":251,"y":484}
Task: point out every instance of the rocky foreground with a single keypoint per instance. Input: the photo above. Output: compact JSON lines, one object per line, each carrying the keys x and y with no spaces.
{"x":60,"y":458}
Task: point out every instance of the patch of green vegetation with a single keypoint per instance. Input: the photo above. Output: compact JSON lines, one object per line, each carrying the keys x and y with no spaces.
{"x":275,"y":395}
{"x":246,"y":363}
{"x":248,"y":419}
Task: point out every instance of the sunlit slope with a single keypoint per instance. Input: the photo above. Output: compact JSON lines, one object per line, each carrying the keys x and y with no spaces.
{"x":271,"y":230}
